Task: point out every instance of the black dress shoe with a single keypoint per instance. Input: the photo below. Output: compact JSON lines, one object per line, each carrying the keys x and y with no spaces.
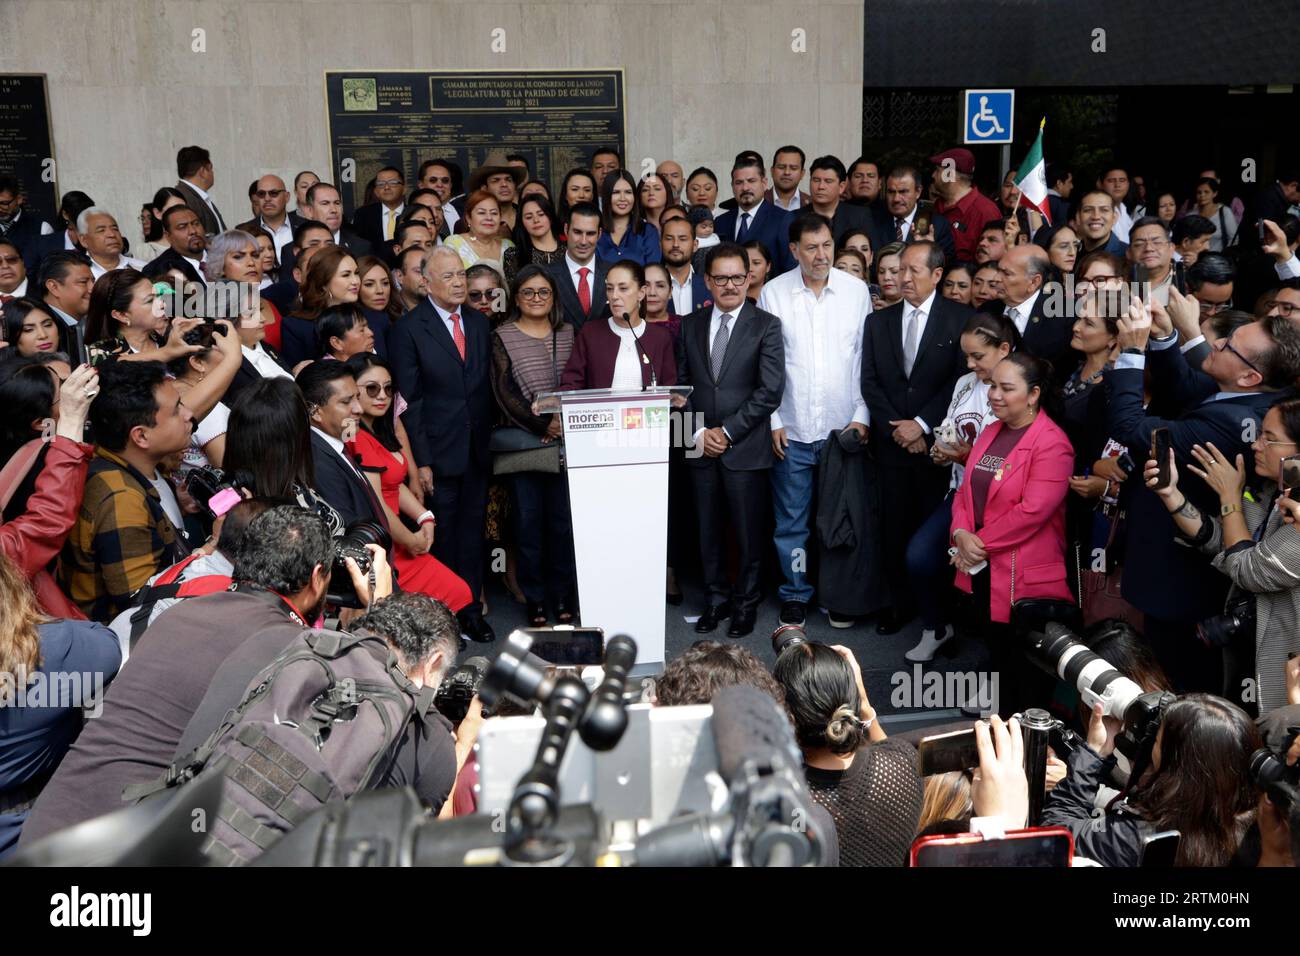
{"x":891,"y":622}
{"x":710,"y":619}
{"x":742,"y":622}
{"x":477,"y":630}
{"x":674,"y":599}
{"x":793,"y":612}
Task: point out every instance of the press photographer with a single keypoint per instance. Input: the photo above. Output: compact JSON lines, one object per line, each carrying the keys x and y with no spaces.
{"x":1254,"y":546}
{"x":283,"y":572}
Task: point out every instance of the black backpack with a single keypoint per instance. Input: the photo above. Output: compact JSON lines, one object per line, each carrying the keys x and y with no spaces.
{"x":321,"y":722}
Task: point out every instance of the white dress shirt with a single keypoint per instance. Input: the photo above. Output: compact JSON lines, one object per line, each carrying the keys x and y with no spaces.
{"x":123,"y":262}
{"x":198,"y":267}
{"x":795,"y":200}
{"x":922,"y":319}
{"x":390,"y":215}
{"x":283,"y":236}
{"x":627,"y":367}
{"x":683,"y":297}
{"x":20,"y":290}
{"x":337,"y":445}
{"x":741,"y":213}
{"x":1289,"y":269}
{"x":823,"y":352}
{"x":589,"y":265}
{"x":1022,"y":312}
{"x":448,"y":324}
{"x":450,"y":216}
{"x":1123,"y":222}
{"x":266,"y":366}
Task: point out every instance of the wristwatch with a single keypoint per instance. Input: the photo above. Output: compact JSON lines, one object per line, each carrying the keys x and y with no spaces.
{"x":1229,"y":509}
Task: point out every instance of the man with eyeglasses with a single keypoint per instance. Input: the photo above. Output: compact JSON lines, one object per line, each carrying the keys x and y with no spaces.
{"x":13,"y":272}
{"x":1223,"y":403}
{"x":377,"y":221}
{"x":436,"y":174}
{"x":1210,"y":282}
{"x":821,"y":311}
{"x":442,"y":361}
{"x":272,"y":201}
{"x":735,"y":360}
{"x":1150,"y":247}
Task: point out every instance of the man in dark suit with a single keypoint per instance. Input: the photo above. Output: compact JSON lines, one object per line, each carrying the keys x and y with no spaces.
{"x":194,"y":167}
{"x":911,"y":359}
{"x":64,"y":238}
{"x":904,"y":206}
{"x":334,"y":406}
{"x":376,"y":222}
{"x":184,"y":234}
{"x":1044,"y":332}
{"x":19,"y":224}
{"x":735,"y":359}
{"x":678,"y":246}
{"x":1222,"y":403}
{"x":754,"y":217}
{"x":580,"y":276}
{"x":442,"y":360}
{"x":325,"y":204}
{"x":826,"y":179}
{"x":271,"y":198}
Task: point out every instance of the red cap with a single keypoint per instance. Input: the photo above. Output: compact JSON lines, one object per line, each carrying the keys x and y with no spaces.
{"x":963,"y":160}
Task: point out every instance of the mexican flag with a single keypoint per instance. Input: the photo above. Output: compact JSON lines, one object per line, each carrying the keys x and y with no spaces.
{"x":1031,"y":177}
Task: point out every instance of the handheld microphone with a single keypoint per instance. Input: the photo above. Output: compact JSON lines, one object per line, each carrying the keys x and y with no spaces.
{"x":645,"y":359}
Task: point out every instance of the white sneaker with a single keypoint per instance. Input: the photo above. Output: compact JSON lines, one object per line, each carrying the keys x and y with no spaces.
{"x":924,"y":652}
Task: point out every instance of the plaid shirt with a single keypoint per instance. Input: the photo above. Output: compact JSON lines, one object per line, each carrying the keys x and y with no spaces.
{"x":121,"y":539}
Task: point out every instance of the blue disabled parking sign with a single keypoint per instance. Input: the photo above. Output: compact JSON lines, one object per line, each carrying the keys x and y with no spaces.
{"x":990,"y":115}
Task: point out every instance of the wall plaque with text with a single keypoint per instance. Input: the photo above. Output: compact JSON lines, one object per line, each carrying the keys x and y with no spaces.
{"x":26,"y":141}
{"x":399,"y":118}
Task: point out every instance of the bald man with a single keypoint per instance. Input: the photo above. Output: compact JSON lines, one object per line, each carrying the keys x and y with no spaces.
{"x":271,"y":199}
{"x":671,"y":173}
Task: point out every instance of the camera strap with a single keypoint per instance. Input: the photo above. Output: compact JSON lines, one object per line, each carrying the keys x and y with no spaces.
{"x":274,"y":598}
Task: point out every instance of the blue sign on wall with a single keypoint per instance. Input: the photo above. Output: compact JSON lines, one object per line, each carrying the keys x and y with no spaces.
{"x":990,"y":115}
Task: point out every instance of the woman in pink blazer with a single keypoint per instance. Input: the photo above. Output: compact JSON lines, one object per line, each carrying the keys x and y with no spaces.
{"x":1010,"y":512}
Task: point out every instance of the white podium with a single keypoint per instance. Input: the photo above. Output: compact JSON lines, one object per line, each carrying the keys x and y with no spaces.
{"x":616,"y":455}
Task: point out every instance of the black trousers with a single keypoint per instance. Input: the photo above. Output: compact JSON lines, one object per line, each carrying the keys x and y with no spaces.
{"x":459,"y":503}
{"x":909,"y":494}
{"x":544,"y":536}
{"x":723,"y":494}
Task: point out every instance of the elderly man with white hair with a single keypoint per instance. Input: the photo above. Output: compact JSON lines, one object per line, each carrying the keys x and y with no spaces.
{"x":98,"y":234}
{"x":441,"y":354}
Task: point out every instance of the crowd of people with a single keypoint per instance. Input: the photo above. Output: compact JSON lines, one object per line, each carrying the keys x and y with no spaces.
{"x":908,"y":399}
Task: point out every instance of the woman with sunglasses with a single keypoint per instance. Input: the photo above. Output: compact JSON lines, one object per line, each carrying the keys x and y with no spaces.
{"x":1252,"y":545}
{"x":384,"y":464}
{"x":529,"y":351}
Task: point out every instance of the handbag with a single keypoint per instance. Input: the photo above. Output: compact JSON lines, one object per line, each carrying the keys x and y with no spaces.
{"x":515,"y":450}
{"x":1034,"y":614}
{"x":1100,"y":596}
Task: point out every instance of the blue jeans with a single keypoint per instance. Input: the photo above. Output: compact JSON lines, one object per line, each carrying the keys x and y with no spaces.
{"x":794,"y":478}
{"x":928,"y":567}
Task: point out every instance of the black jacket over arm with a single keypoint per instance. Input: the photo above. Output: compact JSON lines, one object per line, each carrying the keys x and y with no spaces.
{"x":449,"y":417}
{"x":748,"y":388}
{"x":890,"y":394}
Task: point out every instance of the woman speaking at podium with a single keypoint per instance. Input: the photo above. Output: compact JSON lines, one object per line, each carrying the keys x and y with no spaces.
{"x":620,"y":349}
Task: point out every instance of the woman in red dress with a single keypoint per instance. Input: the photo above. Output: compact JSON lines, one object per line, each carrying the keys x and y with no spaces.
{"x":379,"y":452}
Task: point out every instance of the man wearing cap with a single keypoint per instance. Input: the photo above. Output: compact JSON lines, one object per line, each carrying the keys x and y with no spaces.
{"x":965,"y":207}
{"x":503,"y":182}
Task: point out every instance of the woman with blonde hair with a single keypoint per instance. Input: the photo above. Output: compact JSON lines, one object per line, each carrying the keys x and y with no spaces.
{"x":43,"y":716}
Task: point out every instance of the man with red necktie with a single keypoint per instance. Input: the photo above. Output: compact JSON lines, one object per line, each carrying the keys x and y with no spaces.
{"x":580,"y":276}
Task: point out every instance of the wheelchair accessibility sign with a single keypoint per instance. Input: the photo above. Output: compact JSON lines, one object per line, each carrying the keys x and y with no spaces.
{"x":990,"y":115}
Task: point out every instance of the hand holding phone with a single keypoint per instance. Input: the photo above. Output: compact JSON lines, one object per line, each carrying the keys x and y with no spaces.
{"x":1161,"y":445}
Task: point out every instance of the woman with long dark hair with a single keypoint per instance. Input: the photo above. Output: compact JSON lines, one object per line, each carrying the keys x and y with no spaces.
{"x":1198,"y":784}
{"x":760,"y":267}
{"x":384,"y":464}
{"x":869,"y":784}
{"x":537,"y":233}
{"x":579,"y":186}
{"x":625,"y":235}
{"x":331,"y":282}
{"x":529,"y":351}
{"x":379,"y":303}
{"x":127,"y":319}
{"x":34,"y":735}
{"x":154,"y":243}
{"x":30,"y":328}
{"x":268,"y":443}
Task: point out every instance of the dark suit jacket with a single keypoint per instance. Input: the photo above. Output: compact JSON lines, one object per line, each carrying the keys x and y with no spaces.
{"x":700,"y":294}
{"x":573,"y":313}
{"x":297,"y":340}
{"x":38,"y":248}
{"x":1048,"y":337}
{"x":849,"y":217}
{"x":368,"y":223}
{"x":248,"y":376}
{"x":171,"y":259}
{"x":805,"y":200}
{"x":449,"y":419}
{"x":195,"y":202}
{"x":345,"y":490}
{"x":595,"y":353}
{"x":348,"y":239}
{"x":1163,"y":578}
{"x":892,"y":396}
{"x":882,"y":231}
{"x":771,"y":226}
{"x":748,"y":388}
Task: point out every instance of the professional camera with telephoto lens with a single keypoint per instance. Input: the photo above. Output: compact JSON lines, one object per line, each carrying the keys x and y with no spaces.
{"x":1237,"y":620}
{"x":787,"y":636}
{"x":353,"y":545}
{"x":1269,"y":773}
{"x":458,"y":688}
{"x":1061,"y":654}
{"x":215,"y":490}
